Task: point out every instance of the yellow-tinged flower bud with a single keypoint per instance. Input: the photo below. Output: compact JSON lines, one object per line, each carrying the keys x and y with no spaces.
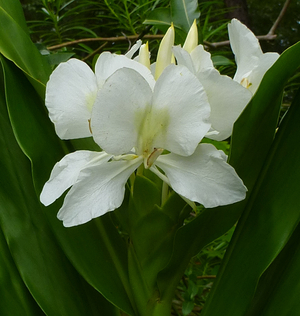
{"x":165,"y":55}
{"x":144,"y":55}
{"x":191,"y":41}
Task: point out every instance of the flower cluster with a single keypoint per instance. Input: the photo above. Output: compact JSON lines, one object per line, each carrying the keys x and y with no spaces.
{"x":153,"y":117}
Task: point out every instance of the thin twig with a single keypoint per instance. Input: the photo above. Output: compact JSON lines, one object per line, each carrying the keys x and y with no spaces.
{"x":268,"y":37}
{"x":104,"y":39}
{"x":95,"y":51}
{"x":279,"y":18}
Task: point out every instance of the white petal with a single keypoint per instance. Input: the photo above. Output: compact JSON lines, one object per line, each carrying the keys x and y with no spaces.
{"x":204,"y":177}
{"x":265,"y":62}
{"x":118,"y":111}
{"x":65,"y":173}
{"x":70,"y":95}
{"x":184,"y":58}
{"x":108,"y":63}
{"x":227,"y":99}
{"x":134,"y":49}
{"x":99,"y":189}
{"x":201,"y":59}
{"x":181,"y":110}
{"x":245,"y":47}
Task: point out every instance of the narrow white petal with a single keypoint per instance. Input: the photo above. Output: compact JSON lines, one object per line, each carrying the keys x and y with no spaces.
{"x":119,"y":110}
{"x":181,"y":111}
{"x":70,"y":95}
{"x":98,"y":190}
{"x":265,"y":62}
{"x":204,"y":177}
{"x":65,"y":173}
{"x":227,"y":99}
{"x":133,"y":49}
{"x":108,"y":63}
{"x":245,"y":47}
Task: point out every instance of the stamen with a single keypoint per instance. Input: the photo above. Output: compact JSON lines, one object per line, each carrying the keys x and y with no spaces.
{"x":245,"y":83}
{"x":90,"y":127}
{"x":152,"y":157}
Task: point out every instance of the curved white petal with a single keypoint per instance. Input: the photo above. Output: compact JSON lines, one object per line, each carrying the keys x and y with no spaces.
{"x":184,"y":58}
{"x":245,"y":47}
{"x":98,"y":190}
{"x":201,"y":59}
{"x":119,"y":110}
{"x":204,"y":177}
{"x":70,"y":95}
{"x":65,"y":173}
{"x":181,"y":111}
{"x":134,"y":49}
{"x":197,"y":61}
{"x":108,"y":63}
{"x":265,"y":62}
{"x":227,"y":99}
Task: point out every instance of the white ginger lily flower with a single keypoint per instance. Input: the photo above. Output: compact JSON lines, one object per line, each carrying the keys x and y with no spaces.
{"x":252,"y":63}
{"x":226,"y":97}
{"x":134,"y":122}
{"x":165,"y":55}
{"x":73,"y":86}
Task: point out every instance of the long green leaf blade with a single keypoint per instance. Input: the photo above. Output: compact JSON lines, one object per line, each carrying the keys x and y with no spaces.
{"x":96,"y":249}
{"x":251,"y":140}
{"x":44,"y":268}
{"x":271,"y":216}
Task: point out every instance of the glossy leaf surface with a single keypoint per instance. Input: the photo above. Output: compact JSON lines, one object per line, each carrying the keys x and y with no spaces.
{"x":44,"y":268}
{"x":96,"y":250}
{"x":16,"y":45}
{"x":251,"y":140}
{"x":271,"y":216}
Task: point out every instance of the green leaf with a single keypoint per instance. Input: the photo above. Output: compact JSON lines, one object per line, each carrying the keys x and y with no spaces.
{"x":279,"y":287}
{"x":15,"y":297}
{"x":15,"y":10}
{"x":16,"y":45}
{"x":251,"y":140}
{"x":44,"y":268}
{"x":160,"y":16}
{"x":57,"y":58}
{"x":181,"y":12}
{"x":271,"y":216}
{"x":187,"y":307}
{"x":95,"y":249}
{"x":184,"y":12}
{"x":219,"y":60}
{"x":152,"y":230}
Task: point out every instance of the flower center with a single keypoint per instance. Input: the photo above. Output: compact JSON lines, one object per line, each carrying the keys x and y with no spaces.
{"x":152,"y":131}
{"x":245,"y":83}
